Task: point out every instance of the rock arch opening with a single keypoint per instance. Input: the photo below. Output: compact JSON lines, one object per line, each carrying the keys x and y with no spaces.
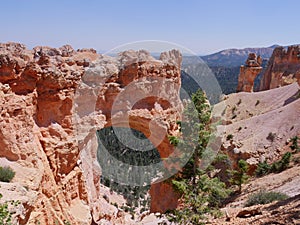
{"x":111,"y":148}
{"x":134,"y":154}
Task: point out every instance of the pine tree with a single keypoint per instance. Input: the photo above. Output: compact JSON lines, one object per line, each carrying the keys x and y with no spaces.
{"x":239,"y":176}
{"x":200,"y":194}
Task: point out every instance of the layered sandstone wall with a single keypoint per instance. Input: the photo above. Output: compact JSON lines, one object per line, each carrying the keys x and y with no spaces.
{"x":52,"y":102}
{"x":283,"y":68}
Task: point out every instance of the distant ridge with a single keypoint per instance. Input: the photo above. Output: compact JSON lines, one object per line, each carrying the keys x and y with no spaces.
{"x":236,"y":57}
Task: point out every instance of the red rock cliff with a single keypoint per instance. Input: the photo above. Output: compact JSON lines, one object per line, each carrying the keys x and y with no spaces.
{"x":283,"y":68}
{"x":53,"y":100}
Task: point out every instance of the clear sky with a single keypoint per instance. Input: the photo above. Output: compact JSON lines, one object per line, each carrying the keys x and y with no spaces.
{"x":202,"y":26}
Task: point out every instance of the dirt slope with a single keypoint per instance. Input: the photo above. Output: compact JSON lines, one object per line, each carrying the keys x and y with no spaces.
{"x":256,"y":126}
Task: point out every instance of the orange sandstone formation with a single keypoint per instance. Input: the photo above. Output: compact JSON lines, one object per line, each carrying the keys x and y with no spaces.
{"x":249,"y":72}
{"x":283,"y":68}
{"x":53,"y":100}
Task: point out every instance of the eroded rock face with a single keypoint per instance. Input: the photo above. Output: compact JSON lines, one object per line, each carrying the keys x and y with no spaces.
{"x":52,"y":102}
{"x":283,"y":68}
{"x":249,"y":72}
{"x":139,"y":92}
{"x":37,"y":137}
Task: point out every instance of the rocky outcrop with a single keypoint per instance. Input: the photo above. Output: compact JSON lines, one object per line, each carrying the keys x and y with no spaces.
{"x":139,"y":92}
{"x":283,"y":68}
{"x":249,"y":72}
{"x":37,"y":136}
{"x":52,"y":102}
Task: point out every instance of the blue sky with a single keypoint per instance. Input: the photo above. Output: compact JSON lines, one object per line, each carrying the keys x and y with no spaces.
{"x":202,"y":26}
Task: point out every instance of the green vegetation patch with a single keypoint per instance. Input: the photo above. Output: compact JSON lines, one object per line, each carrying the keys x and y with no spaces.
{"x":6,"y":174}
{"x":265,"y":197}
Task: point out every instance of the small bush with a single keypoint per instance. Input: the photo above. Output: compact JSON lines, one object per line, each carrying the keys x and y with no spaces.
{"x":282,"y":164}
{"x":5,"y":214}
{"x":276,"y":167}
{"x":262,"y":169}
{"x":271,"y":136}
{"x":221,"y":158}
{"x":265,"y":197}
{"x":294,"y":146}
{"x":6,"y":174}
{"x":239,"y":102}
{"x":229,"y":137}
{"x":257,"y":102}
{"x":173,"y":140}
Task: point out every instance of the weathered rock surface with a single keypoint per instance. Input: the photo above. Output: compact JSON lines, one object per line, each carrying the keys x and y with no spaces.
{"x":283,"y":68}
{"x":249,"y":72}
{"x":37,"y":137}
{"x":53,"y":100}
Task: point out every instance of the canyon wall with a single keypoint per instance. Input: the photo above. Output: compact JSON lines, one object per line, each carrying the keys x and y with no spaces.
{"x":283,"y":68}
{"x":52,"y":103}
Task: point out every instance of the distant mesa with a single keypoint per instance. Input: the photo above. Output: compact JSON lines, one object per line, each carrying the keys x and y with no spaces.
{"x":236,"y":57}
